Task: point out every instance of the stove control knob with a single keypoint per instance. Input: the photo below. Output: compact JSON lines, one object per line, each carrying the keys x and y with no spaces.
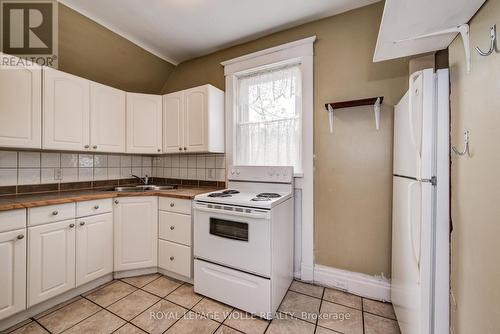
{"x":237,"y":172}
{"x":232,"y":171}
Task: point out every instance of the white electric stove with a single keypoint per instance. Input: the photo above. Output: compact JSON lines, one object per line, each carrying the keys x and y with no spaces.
{"x":243,"y":239}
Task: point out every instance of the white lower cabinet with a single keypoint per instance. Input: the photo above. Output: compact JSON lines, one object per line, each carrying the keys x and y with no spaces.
{"x":94,"y":247}
{"x":174,"y":257}
{"x":51,"y":260}
{"x":13,"y":272}
{"x":136,"y":232}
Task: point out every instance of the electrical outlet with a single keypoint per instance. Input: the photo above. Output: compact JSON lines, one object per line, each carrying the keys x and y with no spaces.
{"x":211,"y":172}
{"x":58,"y":174}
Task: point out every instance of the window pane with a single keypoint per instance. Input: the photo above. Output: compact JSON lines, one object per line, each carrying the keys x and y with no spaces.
{"x":268,"y":120}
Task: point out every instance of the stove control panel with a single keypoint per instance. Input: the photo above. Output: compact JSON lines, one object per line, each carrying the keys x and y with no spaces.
{"x":273,"y":174}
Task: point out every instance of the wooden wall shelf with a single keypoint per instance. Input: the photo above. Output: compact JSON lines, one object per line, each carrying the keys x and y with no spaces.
{"x":354,"y":103}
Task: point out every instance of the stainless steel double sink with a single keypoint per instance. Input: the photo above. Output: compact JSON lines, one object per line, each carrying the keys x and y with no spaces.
{"x":144,"y":188}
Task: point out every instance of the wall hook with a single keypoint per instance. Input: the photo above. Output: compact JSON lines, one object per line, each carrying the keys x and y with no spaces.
{"x":493,"y":42}
{"x":466,"y":145}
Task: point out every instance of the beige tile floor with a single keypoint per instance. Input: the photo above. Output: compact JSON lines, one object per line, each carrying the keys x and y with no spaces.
{"x":157,"y":304}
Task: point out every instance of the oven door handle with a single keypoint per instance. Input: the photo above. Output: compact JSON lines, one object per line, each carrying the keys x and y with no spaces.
{"x":263,"y":215}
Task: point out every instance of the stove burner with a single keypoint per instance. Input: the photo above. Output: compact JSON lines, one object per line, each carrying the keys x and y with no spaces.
{"x":268,"y":195}
{"x":261,"y":199}
{"x":230,"y":192}
{"x":219,"y":195}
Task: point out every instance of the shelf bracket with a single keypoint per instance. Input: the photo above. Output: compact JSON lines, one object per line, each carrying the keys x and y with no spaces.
{"x":462,"y":29}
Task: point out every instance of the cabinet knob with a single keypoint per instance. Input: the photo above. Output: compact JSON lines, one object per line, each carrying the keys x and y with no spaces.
{"x":180,"y":148}
{"x":94,"y":147}
{"x":159,"y":150}
{"x":86,"y":146}
{"x":55,"y":213}
{"x":71,"y":225}
{"x":82,"y":223}
{"x":171,"y":258}
{"x":185,"y":148}
{"x":20,"y":237}
{"x":96,"y":207}
{"x":116,"y":201}
{"x":172,"y":204}
{"x":172,"y":228}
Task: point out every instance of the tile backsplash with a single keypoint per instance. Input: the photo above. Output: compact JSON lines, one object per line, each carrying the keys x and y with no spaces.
{"x":29,"y":168}
{"x":205,"y":167}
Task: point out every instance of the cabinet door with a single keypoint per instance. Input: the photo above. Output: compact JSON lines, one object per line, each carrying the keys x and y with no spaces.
{"x":136,"y":232}
{"x":195,"y":118}
{"x":51,"y":261}
{"x":66,"y":111}
{"x":144,"y":123}
{"x":94,"y":247}
{"x":173,"y":122}
{"x":20,"y":105}
{"x":13,"y":272}
{"x":107,"y":118}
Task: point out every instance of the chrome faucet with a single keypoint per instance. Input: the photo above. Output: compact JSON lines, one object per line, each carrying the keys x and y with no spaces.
{"x":144,"y":180}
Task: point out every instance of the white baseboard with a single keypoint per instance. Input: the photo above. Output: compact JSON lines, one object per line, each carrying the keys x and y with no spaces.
{"x":373,"y":287}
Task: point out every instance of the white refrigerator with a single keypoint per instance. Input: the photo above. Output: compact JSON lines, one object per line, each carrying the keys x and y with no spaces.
{"x":420,"y":218}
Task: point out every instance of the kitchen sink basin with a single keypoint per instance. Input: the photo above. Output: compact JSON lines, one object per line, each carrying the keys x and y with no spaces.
{"x":144,"y":188}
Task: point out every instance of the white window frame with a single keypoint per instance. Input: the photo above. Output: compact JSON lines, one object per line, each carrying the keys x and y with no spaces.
{"x":297,"y":52}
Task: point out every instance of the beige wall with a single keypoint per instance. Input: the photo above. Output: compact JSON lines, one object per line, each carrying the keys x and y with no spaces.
{"x":475,"y":105}
{"x":353,"y":184}
{"x":89,"y":50}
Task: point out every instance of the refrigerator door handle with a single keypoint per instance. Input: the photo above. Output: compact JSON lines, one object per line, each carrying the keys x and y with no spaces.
{"x":413,"y":78}
{"x":416,"y":256}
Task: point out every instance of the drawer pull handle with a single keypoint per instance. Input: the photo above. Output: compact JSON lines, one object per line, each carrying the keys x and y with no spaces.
{"x":20,"y":237}
{"x":71,"y":225}
{"x":180,"y":148}
{"x":171,"y":258}
{"x":96,"y":207}
{"x":172,"y":204}
{"x":55,"y":213}
{"x":116,"y":202}
{"x":82,"y":223}
{"x":172,"y":227}
{"x":185,"y":148}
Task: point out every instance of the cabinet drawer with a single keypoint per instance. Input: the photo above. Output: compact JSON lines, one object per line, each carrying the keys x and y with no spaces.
{"x":175,"y":205}
{"x":174,"y":257}
{"x":244,"y":291}
{"x":175,"y":227}
{"x":95,"y":207}
{"x":50,"y":213}
{"x":12,"y":220}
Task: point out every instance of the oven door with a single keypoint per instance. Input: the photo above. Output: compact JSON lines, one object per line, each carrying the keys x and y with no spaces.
{"x":232,"y":236}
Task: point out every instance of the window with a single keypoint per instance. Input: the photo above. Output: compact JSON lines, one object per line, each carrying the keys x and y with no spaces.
{"x":269,"y":118}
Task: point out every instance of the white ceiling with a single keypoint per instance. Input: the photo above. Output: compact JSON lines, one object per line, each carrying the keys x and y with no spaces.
{"x":177,"y":30}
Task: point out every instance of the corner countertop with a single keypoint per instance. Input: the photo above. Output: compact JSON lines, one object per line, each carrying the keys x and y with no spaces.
{"x":44,"y":199}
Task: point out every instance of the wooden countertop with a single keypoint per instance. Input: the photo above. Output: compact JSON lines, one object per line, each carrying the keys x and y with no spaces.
{"x":35,"y":200}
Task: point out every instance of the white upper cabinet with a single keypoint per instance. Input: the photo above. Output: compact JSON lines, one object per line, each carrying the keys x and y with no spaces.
{"x":194,"y":120}
{"x":20,"y":105}
{"x":66,"y":111}
{"x":173,"y":122}
{"x":107,"y":118}
{"x":144,"y":123}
